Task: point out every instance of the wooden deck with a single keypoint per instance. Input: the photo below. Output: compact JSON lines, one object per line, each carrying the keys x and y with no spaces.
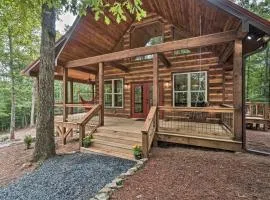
{"x":119,"y":135}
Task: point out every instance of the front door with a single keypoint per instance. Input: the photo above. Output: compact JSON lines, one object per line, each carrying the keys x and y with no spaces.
{"x":142,"y":99}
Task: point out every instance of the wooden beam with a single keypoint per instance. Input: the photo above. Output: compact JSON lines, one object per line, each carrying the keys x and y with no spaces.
{"x":164,"y":60}
{"x":101,"y":91}
{"x":238,"y":89}
{"x":65,"y":94}
{"x":155,"y":80}
{"x":119,"y":66}
{"x":201,"y":41}
{"x":71,"y":94}
{"x":155,"y":89}
{"x":65,"y":99}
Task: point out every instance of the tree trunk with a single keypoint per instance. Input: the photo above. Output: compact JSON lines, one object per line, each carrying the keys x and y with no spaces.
{"x":34,"y":94}
{"x":45,"y":146}
{"x":12,"y":77}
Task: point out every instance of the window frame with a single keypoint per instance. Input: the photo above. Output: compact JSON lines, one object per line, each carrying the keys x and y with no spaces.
{"x":189,"y":91}
{"x":113,"y":93}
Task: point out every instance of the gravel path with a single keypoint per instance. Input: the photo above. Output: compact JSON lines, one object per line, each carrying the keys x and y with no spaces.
{"x":77,"y":176}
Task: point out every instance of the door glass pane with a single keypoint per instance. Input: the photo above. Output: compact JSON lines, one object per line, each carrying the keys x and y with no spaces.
{"x":180,"y":99}
{"x":108,"y":100}
{"x":181,"y":82}
{"x":138,"y":99}
{"x":118,"y":100}
{"x":197,"y":99}
{"x":118,"y":86}
{"x":197,"y":81}
{"x":108,"y":86}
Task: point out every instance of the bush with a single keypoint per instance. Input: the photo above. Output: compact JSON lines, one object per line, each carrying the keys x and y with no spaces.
{"x":137,"y":151}
{"x":87,"y":141}
{"x":28,"y":140}
{"x":4,"y":138}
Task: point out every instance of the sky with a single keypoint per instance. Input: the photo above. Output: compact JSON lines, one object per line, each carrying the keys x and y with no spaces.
{"x":64,"y":19}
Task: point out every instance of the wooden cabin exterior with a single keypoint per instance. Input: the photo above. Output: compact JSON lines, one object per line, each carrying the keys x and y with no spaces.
{"x":180,"y":70}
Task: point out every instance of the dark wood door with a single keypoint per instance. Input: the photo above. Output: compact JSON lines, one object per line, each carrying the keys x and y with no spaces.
{"x":142,"y":99}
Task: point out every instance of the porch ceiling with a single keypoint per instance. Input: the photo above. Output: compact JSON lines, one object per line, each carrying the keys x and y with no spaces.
{"x":91,"y":37}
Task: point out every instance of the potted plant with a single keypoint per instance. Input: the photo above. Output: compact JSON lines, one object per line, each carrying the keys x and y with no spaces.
{"x":87,"y":141}
{"x":137,"y":152}
{"x":28,"y":141}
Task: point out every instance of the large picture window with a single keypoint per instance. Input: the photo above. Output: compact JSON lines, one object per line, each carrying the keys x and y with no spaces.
{"x":190,"y":89}
{"x":113,"y":93}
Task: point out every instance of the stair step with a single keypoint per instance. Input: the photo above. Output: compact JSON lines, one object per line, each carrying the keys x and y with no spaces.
{"x":119,"y":133}
{"x":112,"y":146}
{"x":118,"y":138}
{"x":107,"y":152}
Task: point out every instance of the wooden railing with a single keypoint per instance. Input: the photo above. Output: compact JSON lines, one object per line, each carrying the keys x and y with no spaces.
{"x":89,"y":122}
{"x":149,"y":130}
{"x":197,"y":121}
{"x":258,"y":109}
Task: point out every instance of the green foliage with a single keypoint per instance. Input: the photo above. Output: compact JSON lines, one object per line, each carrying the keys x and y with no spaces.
{"x":260,"y":7}
{"x":258,"y":76}
{"x":28,"y":140}
{"x":137,"y":152}
{"x":87,"y":141}
{"x":23,"y":29}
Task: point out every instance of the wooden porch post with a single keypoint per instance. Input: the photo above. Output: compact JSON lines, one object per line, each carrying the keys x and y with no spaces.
{"x":238,"y":89}
{"x":101,"y":91}
{"x":71,"y":95}
{"x":156,"y":92}
{"x":65,"y":100}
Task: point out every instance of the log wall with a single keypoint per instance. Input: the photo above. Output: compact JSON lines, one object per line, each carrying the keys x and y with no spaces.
{"x":142,"y":71}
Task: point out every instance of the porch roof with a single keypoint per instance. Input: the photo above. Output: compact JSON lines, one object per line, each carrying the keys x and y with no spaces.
{"x":88,"y":37}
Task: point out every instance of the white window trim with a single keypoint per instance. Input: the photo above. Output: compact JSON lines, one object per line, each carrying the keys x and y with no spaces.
{"x":112,"y":93}
{"x":189,"y":86}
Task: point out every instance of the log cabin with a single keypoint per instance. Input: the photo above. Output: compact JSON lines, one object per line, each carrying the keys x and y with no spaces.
{"x":176,"y":76}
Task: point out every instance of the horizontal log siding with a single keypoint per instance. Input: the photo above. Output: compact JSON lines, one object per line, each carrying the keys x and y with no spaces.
{"x":142,"y":71}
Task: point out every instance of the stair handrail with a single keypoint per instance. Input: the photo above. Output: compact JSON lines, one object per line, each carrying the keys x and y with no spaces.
{"x":95,"y":109}
{"x":147,"y":136}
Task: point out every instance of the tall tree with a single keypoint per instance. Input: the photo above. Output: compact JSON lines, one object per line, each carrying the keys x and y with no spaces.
{"x":14,"y":35}
{"x":45,"y":146}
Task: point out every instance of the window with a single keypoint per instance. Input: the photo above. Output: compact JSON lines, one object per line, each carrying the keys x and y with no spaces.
{"x":151,"y":42}
{"x":190,"y":89}
{"x":113,"y":93}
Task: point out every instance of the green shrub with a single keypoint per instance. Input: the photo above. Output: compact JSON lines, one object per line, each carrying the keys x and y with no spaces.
{"x":28,"y":140}
{"x":87,"y":141}
{"x":137,"y":151}
{"x":4,"y":138}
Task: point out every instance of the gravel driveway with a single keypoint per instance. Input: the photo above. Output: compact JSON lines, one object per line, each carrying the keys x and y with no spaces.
{"x":77,"y":176}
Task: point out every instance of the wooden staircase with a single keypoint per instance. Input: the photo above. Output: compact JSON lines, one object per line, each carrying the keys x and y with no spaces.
{"x":114,"y":143}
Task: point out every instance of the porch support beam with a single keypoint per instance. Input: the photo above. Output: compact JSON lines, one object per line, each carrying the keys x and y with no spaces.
{"x":156,"y":90}
{"x":119,"y":66}
{"x":71,"y":95}
{"x":65,"y":101}
{"x":101,"y":91}
{"x":201,"y":41}
{"x":238,"y":89}
{"x":164,"y":60}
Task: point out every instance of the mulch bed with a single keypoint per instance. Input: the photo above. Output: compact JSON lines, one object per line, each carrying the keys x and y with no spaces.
{"x":258,"y":140}
{"x":187,"y":174}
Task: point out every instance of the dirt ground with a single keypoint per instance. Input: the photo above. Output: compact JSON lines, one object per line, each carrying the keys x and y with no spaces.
{"x":192,"y":174}
{"x":15,"y":161}
{"x":258,"y":140}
